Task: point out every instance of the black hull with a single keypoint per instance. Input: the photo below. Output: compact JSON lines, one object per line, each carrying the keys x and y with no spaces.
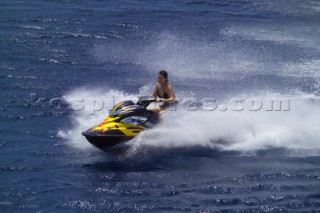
{"x":105,"y":142}
{"x":124,"y":122}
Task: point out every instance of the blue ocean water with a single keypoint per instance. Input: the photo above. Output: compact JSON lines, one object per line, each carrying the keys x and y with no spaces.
{"x":214,"y":159}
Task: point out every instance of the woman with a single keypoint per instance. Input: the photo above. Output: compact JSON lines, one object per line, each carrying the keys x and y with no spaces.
{"x":164,"y":92}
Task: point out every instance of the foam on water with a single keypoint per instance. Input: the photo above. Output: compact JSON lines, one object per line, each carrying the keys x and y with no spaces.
{"x":90,"y":107}
{"x":244,"y":131}
{"x":252,"y":129}
{"x":215,"y":49}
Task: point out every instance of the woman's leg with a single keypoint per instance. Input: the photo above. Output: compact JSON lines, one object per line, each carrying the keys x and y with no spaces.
{"x":155,"y":108}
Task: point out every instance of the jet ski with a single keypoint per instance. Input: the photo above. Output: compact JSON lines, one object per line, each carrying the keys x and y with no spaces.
{"x":124,"y":122}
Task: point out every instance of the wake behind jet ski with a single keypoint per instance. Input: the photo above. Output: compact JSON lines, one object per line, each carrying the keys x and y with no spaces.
{"x":125,"y":121}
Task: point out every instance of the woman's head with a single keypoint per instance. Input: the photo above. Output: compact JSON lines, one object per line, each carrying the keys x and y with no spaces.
{"x":162,"y":76}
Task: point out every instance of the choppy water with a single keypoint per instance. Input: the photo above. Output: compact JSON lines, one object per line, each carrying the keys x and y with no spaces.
{"x":212,"y":159}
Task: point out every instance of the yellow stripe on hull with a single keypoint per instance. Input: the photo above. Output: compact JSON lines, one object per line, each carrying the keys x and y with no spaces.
{"x":127,"y":129}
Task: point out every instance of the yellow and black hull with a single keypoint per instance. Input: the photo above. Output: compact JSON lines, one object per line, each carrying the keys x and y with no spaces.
{"x":109,"y":134}
{"x":124,"y":122}
{"x":107,"y":141}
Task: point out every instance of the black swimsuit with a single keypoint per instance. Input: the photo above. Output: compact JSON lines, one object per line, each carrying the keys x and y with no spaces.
{"x":165,"y":96}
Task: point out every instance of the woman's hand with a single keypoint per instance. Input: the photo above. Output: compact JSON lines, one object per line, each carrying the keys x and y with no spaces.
{"x":159,"y":99}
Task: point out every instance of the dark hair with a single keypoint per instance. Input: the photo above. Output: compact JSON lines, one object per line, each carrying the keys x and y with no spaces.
{"x":164,"y":74}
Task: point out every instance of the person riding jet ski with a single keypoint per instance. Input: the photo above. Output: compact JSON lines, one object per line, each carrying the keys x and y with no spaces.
{"x":163,"y":92}
{"x":127,"y":119}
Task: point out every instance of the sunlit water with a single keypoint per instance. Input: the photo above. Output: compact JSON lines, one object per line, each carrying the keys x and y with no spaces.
{"x":232,"y":152}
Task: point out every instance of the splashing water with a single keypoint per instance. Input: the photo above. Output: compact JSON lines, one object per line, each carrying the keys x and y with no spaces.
{"x":248,"y":130}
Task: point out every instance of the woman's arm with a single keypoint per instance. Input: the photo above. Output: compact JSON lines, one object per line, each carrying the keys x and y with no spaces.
{"x":172,"y":95}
